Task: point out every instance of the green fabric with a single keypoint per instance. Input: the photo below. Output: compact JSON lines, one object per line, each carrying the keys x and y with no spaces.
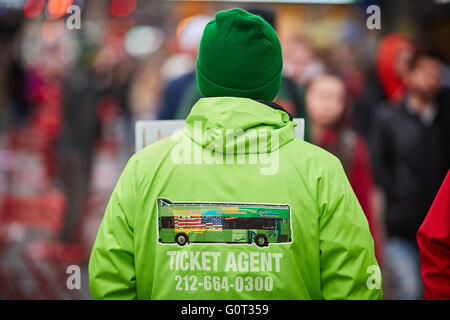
{"x":239,"y":56}
{"x":286,"y":96}
{"x":330,"y":253}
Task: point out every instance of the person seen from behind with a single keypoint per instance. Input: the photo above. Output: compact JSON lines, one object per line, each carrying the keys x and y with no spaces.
{"x":234,"y":203}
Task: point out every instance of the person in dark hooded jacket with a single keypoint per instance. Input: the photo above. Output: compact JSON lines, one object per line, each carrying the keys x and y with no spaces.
{"x":409,"y":145}
{"x":386,"y":82}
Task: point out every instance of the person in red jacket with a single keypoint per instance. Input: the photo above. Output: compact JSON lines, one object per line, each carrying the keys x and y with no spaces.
{"x":433,"y":239}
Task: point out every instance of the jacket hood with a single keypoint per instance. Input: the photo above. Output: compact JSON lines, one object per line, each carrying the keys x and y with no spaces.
{"x":227,"y":124}
{"x":387,"y":51}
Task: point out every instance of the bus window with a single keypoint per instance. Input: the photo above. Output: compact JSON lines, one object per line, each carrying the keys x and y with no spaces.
{"x":249,"y":223}
{"x":229,"y":222}
{"x":167,"y":222}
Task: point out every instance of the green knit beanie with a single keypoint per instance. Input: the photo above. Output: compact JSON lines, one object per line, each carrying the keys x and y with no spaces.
{"x":239,"y":56}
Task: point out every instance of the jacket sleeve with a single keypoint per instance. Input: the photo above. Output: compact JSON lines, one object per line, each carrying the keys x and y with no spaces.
{"x":433,"y":239}
{"x":111,"y":264}
{"x":348,"y":267}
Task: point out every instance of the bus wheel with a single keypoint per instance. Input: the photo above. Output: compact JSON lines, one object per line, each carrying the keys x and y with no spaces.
{"x":261,"y":240}
{"x":181,"y":239}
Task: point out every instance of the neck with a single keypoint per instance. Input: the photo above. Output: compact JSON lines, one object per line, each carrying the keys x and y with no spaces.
{"x":276,"y":106}
{"x":317,"y":131}
{"x":419,"y":103}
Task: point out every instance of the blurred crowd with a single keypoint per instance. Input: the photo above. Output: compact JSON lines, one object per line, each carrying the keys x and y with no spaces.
{"x":378,"y":100}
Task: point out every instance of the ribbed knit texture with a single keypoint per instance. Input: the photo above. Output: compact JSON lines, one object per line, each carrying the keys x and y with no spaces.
{"x":239,"y":56}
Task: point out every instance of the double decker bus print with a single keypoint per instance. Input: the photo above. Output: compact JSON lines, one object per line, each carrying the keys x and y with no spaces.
{"x":191,"y":222}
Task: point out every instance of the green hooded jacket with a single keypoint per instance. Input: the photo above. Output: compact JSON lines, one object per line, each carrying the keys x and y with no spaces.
{"x":248,"y":213}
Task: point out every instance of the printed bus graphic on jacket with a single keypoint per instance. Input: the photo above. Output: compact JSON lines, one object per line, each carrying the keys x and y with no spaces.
{"x":190,"y":222}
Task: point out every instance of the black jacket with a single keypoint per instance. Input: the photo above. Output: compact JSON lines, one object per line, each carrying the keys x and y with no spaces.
{"x":410,"y":160}
{"x":367,"y":105}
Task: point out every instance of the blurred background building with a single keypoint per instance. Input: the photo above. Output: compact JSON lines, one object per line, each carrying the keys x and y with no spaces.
{"x":69,"y":98}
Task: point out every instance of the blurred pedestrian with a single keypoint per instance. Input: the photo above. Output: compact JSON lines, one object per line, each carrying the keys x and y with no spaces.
{"x":87,"y":92}
{"x":181,"y":91}
{"x":302,"y":64}
{"x":386,"y":83}
{"x":409,"y":146}
{"x":328,"y":120}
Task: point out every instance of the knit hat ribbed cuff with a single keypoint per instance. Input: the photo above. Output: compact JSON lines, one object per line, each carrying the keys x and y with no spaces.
{"x":267,"y":92}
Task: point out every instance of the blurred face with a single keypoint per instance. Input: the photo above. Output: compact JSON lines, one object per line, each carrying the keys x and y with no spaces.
{"x":325,"y":100}
{"x":296,"y":57}
{"x":424,"y":78}
{"x":402,"y":60}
